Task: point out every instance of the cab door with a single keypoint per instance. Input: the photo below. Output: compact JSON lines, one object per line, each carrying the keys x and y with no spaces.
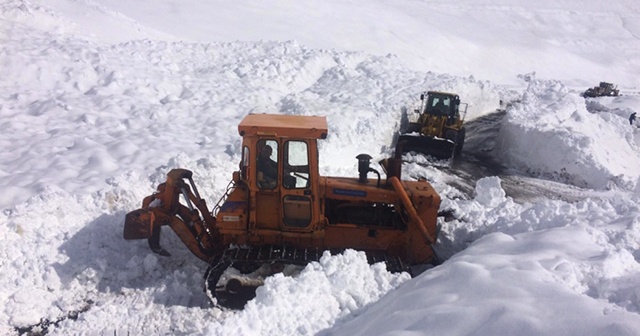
{"x":288,"y":199}
{"x":267,"y":201}
{"x":300,"y":207}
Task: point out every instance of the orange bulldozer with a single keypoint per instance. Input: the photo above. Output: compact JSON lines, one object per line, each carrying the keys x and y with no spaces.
{"x":279,"y":211}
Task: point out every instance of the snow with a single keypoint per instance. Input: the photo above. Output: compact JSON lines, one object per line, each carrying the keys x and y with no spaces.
{"x":100,"y":99}
{"x":569,"y":142}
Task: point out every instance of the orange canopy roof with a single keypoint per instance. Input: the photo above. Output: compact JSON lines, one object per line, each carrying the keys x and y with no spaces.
{"x":284,"y":126}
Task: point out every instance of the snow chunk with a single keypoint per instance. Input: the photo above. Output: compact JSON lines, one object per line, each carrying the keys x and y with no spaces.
{"x":489,"y":192}
{"x":334,"y":288}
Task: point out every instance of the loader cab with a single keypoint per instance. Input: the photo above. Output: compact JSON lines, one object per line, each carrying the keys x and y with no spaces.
{"x":280,"y":167}
{"x":441,"y":104}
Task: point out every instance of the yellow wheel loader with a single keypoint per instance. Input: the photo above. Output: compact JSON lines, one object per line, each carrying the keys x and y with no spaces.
{"x":439,"y":129}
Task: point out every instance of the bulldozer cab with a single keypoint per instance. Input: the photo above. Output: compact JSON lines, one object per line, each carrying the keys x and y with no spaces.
{"x":280,"y":167}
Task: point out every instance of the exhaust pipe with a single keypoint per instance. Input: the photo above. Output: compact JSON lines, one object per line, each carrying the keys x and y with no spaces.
{"x":364,"y":161}
{"x":364,"y":167}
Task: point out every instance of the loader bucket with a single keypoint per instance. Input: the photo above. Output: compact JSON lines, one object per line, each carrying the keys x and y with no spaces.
{"x":436,"y":147}
{"x":138,"y":224}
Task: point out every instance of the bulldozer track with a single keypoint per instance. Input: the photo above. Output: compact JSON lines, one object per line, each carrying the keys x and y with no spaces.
{"x":248,"y":259}
{"x":298,"y":256}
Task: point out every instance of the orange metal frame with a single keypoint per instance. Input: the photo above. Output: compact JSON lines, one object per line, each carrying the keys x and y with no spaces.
{"x":254,"y":216}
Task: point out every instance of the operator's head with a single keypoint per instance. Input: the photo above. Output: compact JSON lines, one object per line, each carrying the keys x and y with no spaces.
{"x":266,"y":151}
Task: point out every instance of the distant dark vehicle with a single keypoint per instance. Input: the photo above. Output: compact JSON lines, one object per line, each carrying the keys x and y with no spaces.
{"x":603,"y":90}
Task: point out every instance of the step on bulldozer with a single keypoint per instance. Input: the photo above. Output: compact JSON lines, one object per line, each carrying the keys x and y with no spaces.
{"x":439,"y":129}
{"x":278,"y":211}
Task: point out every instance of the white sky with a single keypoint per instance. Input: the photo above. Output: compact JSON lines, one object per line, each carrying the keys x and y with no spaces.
{"x":100,"y":99}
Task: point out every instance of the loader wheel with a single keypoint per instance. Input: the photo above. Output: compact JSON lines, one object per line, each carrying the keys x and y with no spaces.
{"x":459,"y":143}
{"x":413,"y":127}
{"x":452,"y":135}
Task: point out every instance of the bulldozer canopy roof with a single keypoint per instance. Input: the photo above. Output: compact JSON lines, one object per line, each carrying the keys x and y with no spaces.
{"x":284,"y":126}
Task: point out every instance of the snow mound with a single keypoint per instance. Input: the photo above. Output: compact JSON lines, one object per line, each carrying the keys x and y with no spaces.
{"x":551,"y":134}
{"x":337,"y":287}
{"x":526,"y":269}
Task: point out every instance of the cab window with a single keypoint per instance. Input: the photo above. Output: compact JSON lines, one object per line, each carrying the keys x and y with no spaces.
{"x":438,"y":105}
{"x":267,"y":164}
{"x":296,"y":165}
{"x":244,"y":165}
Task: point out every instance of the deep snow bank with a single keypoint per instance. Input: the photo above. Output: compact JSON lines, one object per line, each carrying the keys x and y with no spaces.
{"x":551,"y":134}
{"x":531,"y":269}
{"x":335,"y":288}
{"x":64,"y":254}
{"x":94,"y":109}
{"x":68,"y":251}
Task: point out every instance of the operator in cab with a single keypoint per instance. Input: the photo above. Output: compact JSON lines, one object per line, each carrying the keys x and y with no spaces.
{"x":267,"y":167}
